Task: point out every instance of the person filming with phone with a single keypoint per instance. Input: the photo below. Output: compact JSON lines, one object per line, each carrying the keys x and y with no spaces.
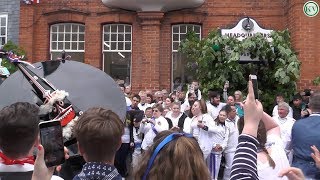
{"x":19,"y":135}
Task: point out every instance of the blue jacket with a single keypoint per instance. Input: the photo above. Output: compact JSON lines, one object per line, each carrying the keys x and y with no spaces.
{"x":305,"y":133}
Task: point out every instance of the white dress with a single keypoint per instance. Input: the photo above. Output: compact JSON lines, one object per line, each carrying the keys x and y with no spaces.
{"x":265,"y":171}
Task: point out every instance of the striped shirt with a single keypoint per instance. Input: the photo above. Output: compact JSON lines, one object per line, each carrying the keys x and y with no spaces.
{"x":244,"y":164}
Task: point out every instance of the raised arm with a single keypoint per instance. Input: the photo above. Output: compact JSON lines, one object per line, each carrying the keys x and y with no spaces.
{"x":245,"y":160}
{"x":271,"y":126}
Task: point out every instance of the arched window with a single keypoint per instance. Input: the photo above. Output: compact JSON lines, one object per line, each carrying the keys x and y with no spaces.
{"x":68,"y":37}
{"x":117,"y":51}
{"x":180,"y":74}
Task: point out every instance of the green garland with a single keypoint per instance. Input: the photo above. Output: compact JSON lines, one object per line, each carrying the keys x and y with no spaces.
{"x":214,"y":60}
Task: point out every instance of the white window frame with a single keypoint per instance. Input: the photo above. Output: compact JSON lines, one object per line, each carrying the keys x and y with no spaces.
{"x":106,"y":45}
{"x":64,"y":37}
{"x":6,"y":26}
{"x":179,"y":41}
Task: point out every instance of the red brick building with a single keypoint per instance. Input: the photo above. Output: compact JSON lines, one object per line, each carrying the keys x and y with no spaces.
{"x":141,"y":47}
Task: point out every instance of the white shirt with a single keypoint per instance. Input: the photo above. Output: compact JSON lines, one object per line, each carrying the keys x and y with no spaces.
{"x":205,"y":138}
{"x":285,"y":125}
{"x":275,"y":111}
{"x":185,"y":106}
{"x":265,"y":171}
{"x":214,"y":110}
{"x":161,"y":124}
{"x":174,"y":120}
{"x":22,"y":168}
{"x":144,"y":106}
{"x":125,"y":138}
{"x":233,"y":135}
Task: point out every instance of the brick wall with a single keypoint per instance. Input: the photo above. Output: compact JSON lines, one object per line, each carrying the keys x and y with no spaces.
{"x":151,"y":45}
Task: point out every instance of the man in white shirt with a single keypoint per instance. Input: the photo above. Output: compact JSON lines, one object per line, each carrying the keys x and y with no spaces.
{"x":214,"y":105}
{"x":232,"y":124}
{"x":279,"y":99}
{"x":285,"y":123}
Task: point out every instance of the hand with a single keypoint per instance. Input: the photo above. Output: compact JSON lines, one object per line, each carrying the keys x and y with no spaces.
{"x":226,"y":86}
{"x":144,"y":121}
{"x":175,"y":128}
{"x":292,"y":173}
{"x":200,"y":124}
{"x":41,"y":171}
{"x":253,"y":112}
{"x":316,"y":156}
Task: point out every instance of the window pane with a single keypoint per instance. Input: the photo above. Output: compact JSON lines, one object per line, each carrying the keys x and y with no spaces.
{"x":190,"y":28}
{"x":54,"y":28}
{"x":197,"y":29}
{"x":61,"y":28}
{"x":54,"y":37}
{"x":120,"y":28}
{"x":107,"y":28}
{"x":114,"y":28}
{"x":175,"y":37}
{"x":75,"y":28}
{"x":67,"y":45}
{"x":74,"y":46}
{"x":128,"y":37}
{"x":68,"y":37}
{"x":60,"y":46}
{"x":175,"y":29}
{"x":3,"y":21}
{"x":81,"y":37}
{"x":113,"y":37}
{"x":183,"y":29}
{"x":106,"y":37}
{"x":120,"y":46}
{"x":68,"y":27}
{"x":175,"y":45}
{"x":128,"y":46}
{"x":81,"y":46}
{"x":54,"y":46}
{"x":3,"y":40}
{"x":113,"y":45}
{"x":120,"y":37}
{"x":3,"y":31}
{"x":128,"y":29}
{"x":74,"y":37}
{"x":183,"y":37}
{"x":81,"y":28}
{"x":60,"y":37}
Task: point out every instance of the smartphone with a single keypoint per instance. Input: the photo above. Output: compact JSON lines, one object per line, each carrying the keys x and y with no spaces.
{"x":52,"y":141}
{"x":255,"y":85}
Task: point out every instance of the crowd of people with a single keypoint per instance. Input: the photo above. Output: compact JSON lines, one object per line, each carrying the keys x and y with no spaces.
{"x":177,"y":136}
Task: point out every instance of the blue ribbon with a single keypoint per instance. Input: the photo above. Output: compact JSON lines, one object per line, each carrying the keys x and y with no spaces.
{"x":166,"y":140}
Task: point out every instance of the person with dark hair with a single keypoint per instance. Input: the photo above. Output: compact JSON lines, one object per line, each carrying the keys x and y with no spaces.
{"x":305,"y":133}
{"x":186,"y":106}
{"x":213,"y":104}
{"x":299,"y":108}
{"x":220,"y":140}
{"x":173,"y":156}
{"x":19,"y":133}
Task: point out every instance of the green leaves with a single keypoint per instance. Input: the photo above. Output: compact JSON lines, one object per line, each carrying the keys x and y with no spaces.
{"x":217,"y":57}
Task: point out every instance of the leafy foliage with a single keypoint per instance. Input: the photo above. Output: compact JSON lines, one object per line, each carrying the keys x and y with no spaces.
{"x":10,"y":46}
{"x":215,"y":59}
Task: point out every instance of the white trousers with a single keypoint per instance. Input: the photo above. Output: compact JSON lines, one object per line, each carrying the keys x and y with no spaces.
{"x":213,"y":162}
{"x":227,"y":170}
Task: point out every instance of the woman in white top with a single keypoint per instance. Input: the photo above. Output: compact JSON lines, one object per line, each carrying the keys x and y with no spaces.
{"x":175,"y":114}
{"x":202,"y":127}
{"x":152,"y":127}
{"x":220,"y":140}
{"x":271,"y":157}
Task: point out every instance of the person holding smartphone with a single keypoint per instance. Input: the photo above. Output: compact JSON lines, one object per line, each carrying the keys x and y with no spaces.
{"x":19,"y":134}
